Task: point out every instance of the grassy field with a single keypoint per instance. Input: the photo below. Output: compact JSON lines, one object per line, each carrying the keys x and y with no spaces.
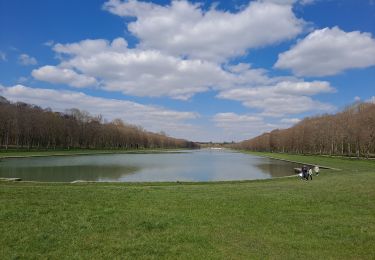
{"x":332,"y":216}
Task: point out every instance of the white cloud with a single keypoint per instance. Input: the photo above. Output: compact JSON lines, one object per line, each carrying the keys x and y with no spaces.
{"x":241,"y":127}
{"x":22,"y":79}
{"x":25,"y":60}
{"x":135,"y":72}
{"x":328,"y":52}
{"x":283,"y":98}
{"x":89,"y":47}
{"x":307,"y":2}
{"x":300,"y":88}
{"x":290,"y":120}
{"x":243,"y":74}
{"x":233,"y":121}
{"x":151,"y":117}
{"x":3,"y":56}
{"x":289,"y":2}
{"x":59,"y":75}
{"x":49,"y":43}
{"x":153,"y":74}
{"x":145,"y":72}
{"x":183,"y":28}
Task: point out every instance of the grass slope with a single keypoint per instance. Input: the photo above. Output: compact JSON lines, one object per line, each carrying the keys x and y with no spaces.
{"x":329,"y":217}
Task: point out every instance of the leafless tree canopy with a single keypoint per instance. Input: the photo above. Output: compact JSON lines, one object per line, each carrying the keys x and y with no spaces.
{"x":28,"y":126}
{"x":350,"y":132}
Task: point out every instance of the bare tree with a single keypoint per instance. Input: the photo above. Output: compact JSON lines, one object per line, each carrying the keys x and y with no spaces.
{"x":350,"y":132}
{"x":31,"y":127}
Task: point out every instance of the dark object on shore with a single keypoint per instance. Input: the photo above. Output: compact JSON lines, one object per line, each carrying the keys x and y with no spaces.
{"x":297,"y":170}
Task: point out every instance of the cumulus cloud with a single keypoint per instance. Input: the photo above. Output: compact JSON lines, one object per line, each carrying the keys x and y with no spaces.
{"x":299,"y":88}
{"x":146,"y":72}
{"x":59,"y":75}
{"x":151,"y":117}
{"x":152,"y":73}
{"x":89,"y":47}
{"x":143,"y":72}
{"x":283,"y":98}
{"x":243,"y":74}
{"x":25,"y":60}
{"x":184,"y":28}
{"x":328,"y":52}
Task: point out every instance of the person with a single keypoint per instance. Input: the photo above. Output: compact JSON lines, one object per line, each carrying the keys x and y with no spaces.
{"x":310,"y":174}
{"x":304,"y":172}
{"x":316,"y":170}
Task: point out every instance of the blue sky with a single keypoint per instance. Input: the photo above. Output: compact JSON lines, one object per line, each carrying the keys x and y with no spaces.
{"x":201,"y":70}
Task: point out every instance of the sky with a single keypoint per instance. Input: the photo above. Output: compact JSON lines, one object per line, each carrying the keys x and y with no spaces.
{"x":200,"y":70}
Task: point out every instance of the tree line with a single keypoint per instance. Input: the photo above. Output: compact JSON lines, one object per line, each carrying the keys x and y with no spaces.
{"x":350,"y":132}
{"x":25,"y":126}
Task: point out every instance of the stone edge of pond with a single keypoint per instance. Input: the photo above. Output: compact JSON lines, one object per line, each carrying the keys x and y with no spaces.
{"x":156,"y":183}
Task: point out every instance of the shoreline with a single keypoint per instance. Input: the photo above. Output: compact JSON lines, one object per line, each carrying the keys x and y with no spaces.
{"x":144,"y":184}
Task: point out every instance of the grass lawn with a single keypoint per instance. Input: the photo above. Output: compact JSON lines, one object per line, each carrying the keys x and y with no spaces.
{"x":332,"y":216}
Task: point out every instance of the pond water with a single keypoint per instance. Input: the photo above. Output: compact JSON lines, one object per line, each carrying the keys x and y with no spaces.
{"x":197,"y":165}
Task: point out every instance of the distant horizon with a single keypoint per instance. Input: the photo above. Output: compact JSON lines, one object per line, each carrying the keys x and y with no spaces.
{"x":211,"y":71}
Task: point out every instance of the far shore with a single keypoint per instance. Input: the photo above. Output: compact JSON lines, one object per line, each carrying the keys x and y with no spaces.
{"x":8,"y":154}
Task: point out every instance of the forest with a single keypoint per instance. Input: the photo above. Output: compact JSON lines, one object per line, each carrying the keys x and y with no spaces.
{"x":350,"y":132}
{"x":26,"y":126}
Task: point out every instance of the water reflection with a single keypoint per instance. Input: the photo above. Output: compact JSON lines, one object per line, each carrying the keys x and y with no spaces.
{"x":202,"y":165}
{"x":65,"y":173}
{"x":276,"y":168}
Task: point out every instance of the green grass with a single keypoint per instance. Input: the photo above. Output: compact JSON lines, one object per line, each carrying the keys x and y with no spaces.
{"x":332,"y":216}
{"x":346,"y":164}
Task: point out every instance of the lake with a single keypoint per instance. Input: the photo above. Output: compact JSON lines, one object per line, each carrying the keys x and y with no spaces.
{"x":197,"y":165}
